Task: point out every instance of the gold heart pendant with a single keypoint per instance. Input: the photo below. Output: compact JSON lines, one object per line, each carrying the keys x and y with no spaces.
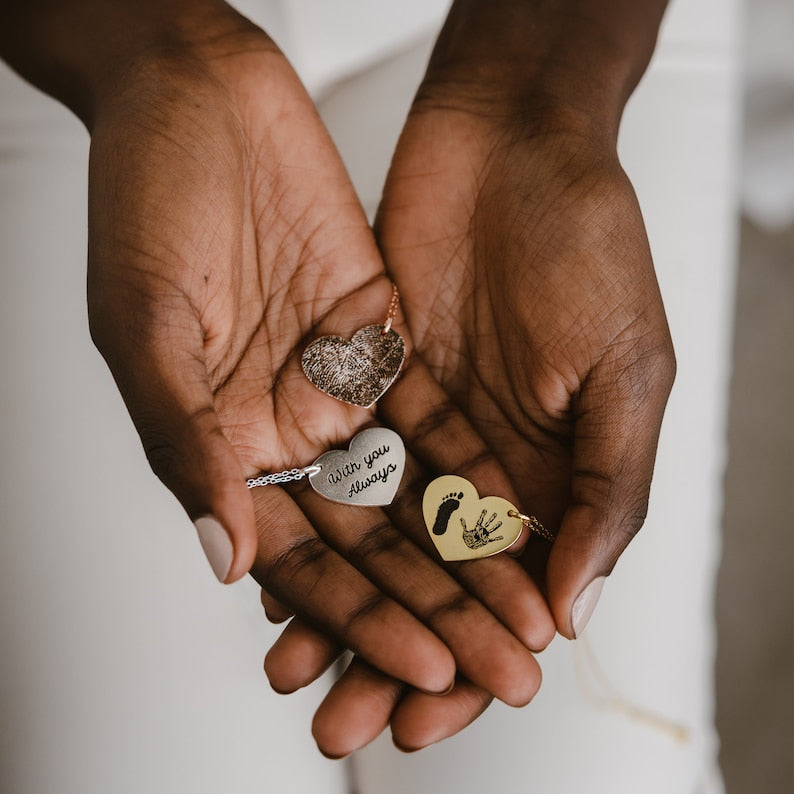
{"x":356,"y":371}
{"x":465,"y":527}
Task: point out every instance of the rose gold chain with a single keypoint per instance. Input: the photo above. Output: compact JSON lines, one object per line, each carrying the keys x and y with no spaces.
{"x":394,"y":304}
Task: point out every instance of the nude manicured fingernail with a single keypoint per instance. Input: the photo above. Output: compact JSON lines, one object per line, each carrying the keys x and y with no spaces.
{"x":406,"y":750}
{"x":217,"y":545}
{"x":585,"y":605}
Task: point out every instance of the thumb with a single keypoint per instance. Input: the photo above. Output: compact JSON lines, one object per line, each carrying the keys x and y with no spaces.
{"x":618,"y":417}
{"x":164,"y":384}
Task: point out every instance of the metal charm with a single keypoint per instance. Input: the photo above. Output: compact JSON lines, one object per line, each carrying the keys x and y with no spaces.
{"x":356,"y":371}
{"x":465,"y":527}
{"x":368,"y":473}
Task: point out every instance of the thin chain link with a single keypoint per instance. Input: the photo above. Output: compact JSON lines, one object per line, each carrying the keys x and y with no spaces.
{"x":533,"y":525}
{"x":394,"y":304}
{"x":279,"y":477}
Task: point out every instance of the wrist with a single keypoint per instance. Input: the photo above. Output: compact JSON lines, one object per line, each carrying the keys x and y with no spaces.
{"x":83,"y":52}
{"x":569,"y":65}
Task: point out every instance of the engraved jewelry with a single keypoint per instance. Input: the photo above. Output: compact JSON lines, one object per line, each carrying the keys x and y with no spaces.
{"x":357,"y":371}
{"x":367,"y":473}
{"x":465,"y":527}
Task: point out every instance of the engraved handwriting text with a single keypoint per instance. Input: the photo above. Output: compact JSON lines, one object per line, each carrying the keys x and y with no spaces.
{"x":348,"y":470}
{"x":378,"y":476}
{"x":371,"y":457}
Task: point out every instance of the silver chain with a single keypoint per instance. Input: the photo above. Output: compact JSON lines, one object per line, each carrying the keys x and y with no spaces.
{"x":282,"y":476}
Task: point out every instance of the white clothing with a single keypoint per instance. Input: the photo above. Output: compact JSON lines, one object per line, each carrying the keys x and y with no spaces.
{"x":125,"y":668}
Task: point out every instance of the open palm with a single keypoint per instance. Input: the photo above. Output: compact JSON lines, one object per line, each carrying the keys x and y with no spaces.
{"x":225,"y":235}
{"x":529,"y":289}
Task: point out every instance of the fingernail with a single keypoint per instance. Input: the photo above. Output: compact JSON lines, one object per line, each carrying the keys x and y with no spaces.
{"x":332,"y":756}
{"x":406,"y":750}
{"x":585,"y":605}
{"x":217,"y":545}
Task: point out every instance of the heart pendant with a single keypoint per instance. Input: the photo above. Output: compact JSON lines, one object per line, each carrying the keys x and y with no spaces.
{"x":465,"y":527}
{"x":368,"y":473}
{"x":356,"y":371}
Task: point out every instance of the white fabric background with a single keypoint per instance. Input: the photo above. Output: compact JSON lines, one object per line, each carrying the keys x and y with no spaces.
{"x":125,"y":668}
{"x":768,"y":172}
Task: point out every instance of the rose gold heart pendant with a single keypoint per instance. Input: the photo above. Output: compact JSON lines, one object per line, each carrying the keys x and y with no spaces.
{"x":359,"y":370}
{"x":356,"y":371}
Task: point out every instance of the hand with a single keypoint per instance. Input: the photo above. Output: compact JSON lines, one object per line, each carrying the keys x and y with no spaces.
{"x":528,"y":283}
{"x":529,"y":289}
{"x":218,"y":223}
{"x":364,"y":701}
{"x":224,"y":234}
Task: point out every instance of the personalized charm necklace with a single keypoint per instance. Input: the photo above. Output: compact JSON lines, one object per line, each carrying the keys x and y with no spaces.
{"x":465,"y":526}
{"x":367,"y":473}
{"x":359,"y":370}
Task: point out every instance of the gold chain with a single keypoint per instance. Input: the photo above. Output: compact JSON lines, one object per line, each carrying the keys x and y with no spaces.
{"x":394,"y":304}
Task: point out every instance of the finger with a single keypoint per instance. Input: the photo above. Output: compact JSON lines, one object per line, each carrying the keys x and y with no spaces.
{"x":356,"y":710}
{"x":316,"y":583}
{"x":435,"y":430}
{"x":274,"y":611}
{"x":499,"y":582}
{"x":299,"y":656}
{"x":484,"y":650}
{"x":618,"y":416}
{"x":157,"y":362}
{"x":420,"y":720}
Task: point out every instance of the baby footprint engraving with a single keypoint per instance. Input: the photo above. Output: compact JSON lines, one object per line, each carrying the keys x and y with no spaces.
{"x":449,"y":504}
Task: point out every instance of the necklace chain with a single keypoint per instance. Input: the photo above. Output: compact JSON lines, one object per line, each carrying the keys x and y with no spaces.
{"x":392,"y":311}
{"x":282,"y":476}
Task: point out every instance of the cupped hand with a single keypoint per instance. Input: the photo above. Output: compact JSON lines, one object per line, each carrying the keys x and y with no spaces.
{"x":222,"y":233}
{"x":529,"y":289}
{"x":225,"y":235}
{"x":528,"y":285}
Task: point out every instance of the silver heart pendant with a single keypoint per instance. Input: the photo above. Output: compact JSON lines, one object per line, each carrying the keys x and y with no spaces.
{"x":356,"y":371}
{"x":368,"y":473}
